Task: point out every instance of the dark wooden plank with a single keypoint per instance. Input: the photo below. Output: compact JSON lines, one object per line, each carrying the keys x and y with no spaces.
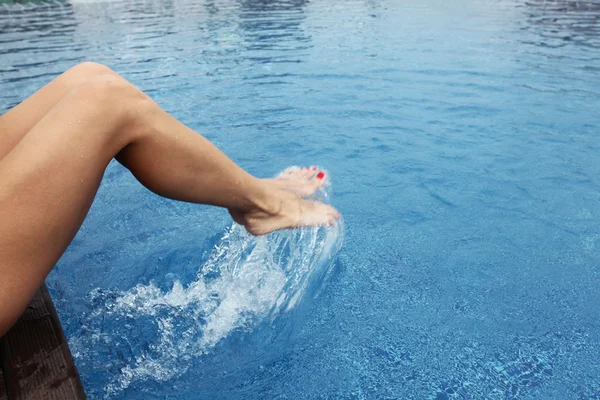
{"x":36,"y":358}
{"x":3,"y":395}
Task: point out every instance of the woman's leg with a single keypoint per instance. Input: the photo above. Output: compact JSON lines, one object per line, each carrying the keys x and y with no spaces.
{"x":18,"y":121}
{"x":50,"y":177}
{"x":15,"y":123}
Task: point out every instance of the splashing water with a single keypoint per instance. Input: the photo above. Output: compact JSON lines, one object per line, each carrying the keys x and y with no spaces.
{"x":245,"y":281}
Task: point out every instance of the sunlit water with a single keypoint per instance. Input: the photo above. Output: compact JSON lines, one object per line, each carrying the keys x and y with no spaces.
{"x":462,"y":138}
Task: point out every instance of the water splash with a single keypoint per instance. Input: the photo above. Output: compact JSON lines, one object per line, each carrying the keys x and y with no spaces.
{"x":246,"y":280}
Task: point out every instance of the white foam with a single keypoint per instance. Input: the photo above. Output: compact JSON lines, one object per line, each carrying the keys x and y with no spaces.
{"x":244,"y":281}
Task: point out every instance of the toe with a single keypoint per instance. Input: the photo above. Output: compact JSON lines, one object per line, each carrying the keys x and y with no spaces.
{"x":303,"y":181}
{"x":307,"y":173}
{"x":315,"y":180}
{"x":318,"y":214}
{"x":290,"y":171}
{"x":320,"y":179}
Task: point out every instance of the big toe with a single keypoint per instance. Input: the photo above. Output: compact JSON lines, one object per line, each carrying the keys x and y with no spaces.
{"x":302,"y":181}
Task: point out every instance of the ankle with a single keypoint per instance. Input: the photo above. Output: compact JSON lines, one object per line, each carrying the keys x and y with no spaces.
{"x":266,"y":198}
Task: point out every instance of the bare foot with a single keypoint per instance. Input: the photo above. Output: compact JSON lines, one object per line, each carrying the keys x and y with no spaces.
{"x":287,"y":209}
{"x":294,"y":212}
{"x":302,"y":181}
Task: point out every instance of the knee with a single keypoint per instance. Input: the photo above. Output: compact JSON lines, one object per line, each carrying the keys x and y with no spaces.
{"x":104,"y":85}
{"x":90,"y":68}
{"x":116,"y":100}
{"x":85,"y":72}
{"x":112,"y":92}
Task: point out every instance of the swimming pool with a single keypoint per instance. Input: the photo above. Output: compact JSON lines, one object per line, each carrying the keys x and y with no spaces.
{"x":462,"y":141}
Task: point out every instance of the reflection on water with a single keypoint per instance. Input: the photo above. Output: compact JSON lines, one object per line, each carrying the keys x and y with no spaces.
{"x":560,"y":23}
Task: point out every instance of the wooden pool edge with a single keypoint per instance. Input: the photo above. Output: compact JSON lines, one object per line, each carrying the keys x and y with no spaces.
{"x":3,"y":395}
{"x":35,"y":358}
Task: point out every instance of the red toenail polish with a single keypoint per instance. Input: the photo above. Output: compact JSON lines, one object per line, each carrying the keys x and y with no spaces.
{"x":313,"y":168}
{"x":321,"y":175}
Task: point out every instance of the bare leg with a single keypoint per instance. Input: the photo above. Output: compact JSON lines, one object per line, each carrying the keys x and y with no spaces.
{"x":17,"y":122}
{"x":49,"y":178}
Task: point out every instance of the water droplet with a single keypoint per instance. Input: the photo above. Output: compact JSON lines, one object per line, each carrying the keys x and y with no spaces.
{"x":78,"y":121}
{"x":69,"y":122}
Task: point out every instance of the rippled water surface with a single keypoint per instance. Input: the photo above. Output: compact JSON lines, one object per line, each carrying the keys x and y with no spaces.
{"x":462,"y":139}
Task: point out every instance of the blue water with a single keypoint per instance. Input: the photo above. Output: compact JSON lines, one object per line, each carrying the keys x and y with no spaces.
{"x":462,"y":141}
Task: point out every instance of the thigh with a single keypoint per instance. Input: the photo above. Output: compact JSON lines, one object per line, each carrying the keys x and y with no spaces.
{"x":21,"y":119}
{"x":47,"y":184}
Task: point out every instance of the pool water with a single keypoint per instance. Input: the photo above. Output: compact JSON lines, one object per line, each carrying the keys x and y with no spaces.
{"x":463,"y":145}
